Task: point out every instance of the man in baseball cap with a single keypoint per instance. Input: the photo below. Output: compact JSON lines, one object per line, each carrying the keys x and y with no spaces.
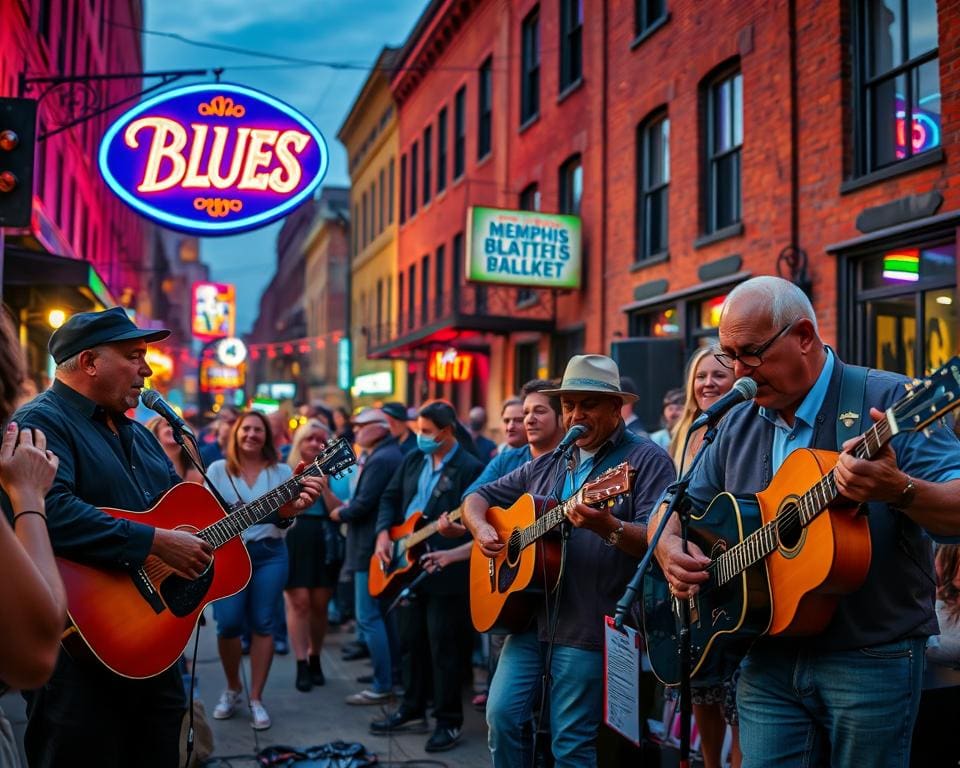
{"x":397,"y":417}
{"x":86,"y":330}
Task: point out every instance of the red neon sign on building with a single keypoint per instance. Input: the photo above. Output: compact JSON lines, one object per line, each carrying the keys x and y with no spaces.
{"x":450,"y":365}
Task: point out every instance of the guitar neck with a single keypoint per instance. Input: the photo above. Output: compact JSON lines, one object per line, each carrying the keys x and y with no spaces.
{"x":257,"y":510}
{"x":548,"y":521}
{"x":811,"y":504}
{"x":428,"y":530}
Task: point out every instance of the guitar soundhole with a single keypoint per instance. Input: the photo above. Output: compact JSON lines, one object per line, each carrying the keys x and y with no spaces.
{"x":789,"y":529}
{"x":513,"y":547}
{"x":181,"y":595}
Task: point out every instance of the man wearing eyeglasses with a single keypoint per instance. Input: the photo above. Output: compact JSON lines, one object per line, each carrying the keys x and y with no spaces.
{"x":848,"y":695}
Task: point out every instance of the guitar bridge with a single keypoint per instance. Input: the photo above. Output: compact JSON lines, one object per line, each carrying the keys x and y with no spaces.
{"x":492,"y":573}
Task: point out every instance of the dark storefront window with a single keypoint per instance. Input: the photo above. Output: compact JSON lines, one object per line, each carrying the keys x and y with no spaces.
{"x":412,"y":296}
{"x":403,"y":188}
{"x":563,"y":346}
{"x":425,"y":290}
{"x":897,"y":75}
{"x":905,"y":308}
{"x":525,"y":364}
{"x":390,"y":194}
{"x":653,"y":179}
{"x":414,"y":170}
{"x":440,"y":276}
{"x":530,"y":64}
{"x":724,"y":132}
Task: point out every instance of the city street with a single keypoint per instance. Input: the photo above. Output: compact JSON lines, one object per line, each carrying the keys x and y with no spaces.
{"x":308,"y":719}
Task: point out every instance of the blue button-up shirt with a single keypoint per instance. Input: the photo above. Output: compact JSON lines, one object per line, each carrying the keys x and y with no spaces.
{"x":429,"y":477}
{"x":126,"y":469}
{"x":786,"y":439}
{"x":502,"y":464}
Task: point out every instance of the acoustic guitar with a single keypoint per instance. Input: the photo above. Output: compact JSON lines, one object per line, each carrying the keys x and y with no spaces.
{"x":787,"y":575}
{"x":137,"y":622}
{"x":503,"y":588}
{"x":407,"y":545}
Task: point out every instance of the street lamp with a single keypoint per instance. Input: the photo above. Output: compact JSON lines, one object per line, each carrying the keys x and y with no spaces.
{"x":54,"y":318}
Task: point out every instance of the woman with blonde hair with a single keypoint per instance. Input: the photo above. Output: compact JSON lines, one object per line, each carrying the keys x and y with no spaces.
{"x":175,"y":452}
{"x":707,"y":380}
{"x":315,"y":549}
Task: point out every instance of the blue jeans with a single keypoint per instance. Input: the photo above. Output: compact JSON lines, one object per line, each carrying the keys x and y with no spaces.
{"x":370,"y":621}
{"x":256,"y":602}
{"x":576,"y":702}
{"x":855,"y":709}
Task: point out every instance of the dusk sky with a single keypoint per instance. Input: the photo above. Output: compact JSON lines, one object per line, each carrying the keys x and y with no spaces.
{"x":341,"y":31}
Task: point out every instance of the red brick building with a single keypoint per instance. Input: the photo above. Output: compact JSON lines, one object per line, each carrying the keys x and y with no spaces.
{"x":84,"y":248}
{"x":701,"y":143}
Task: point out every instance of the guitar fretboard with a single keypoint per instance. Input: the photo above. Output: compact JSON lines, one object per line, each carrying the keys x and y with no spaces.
{"x":243,"y":517}
{"x":428,"y":530}
{"x":766,"y":539}
{"x":548,"y":521}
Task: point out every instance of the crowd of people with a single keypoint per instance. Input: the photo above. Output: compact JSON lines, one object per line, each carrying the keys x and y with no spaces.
{"x":856,"y":693}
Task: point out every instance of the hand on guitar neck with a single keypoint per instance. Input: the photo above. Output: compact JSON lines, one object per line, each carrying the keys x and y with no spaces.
{"x":875,"y":479}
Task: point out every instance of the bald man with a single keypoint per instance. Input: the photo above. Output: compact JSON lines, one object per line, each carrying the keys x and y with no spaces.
{"x":849,"y":695}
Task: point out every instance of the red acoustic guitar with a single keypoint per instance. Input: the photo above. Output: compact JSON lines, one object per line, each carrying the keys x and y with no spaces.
{"x":407,"y":544}
{"x":138,"y":622}
{"x":502,"y":588}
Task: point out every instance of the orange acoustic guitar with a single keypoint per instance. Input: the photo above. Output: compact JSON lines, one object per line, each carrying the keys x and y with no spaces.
{"x":502,"y":588}
{"x":138,"y":622}
{"x":786,"y":576}
{"x":407,"y":545}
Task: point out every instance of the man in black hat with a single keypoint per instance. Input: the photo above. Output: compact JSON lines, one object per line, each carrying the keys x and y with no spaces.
{"x":86,"y":713}
{"x":397,"y":417}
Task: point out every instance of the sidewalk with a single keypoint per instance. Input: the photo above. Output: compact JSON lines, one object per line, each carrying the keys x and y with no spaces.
{"x":307,"y":719}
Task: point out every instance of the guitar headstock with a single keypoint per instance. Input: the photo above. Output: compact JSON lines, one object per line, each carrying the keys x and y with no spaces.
{"x":928,"y":399}
{"x":336,"y":457}
{"x":608,"y":486}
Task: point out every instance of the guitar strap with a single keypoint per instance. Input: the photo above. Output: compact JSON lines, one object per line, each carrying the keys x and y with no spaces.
{"x":853,"y":384}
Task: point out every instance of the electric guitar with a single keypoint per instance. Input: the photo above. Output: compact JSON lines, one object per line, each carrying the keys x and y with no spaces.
{"x":138,"y":622}
{"x":786,"y":576}
{"x":502,"y":588}
{"x":407,"y":545}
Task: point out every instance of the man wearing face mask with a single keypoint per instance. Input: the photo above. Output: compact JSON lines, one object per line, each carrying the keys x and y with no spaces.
{"x":380,"y":457}
{"x":432,"y":481}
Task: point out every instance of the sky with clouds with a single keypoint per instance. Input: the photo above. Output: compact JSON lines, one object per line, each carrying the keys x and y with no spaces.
{"x":342,"y":31}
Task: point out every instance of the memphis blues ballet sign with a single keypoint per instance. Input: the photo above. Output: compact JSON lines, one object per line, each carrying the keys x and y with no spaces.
{"x":213,"y":159}
{"x":523,"y":248}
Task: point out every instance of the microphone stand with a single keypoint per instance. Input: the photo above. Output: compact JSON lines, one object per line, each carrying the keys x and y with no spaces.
{"x":178,"y":435}
{"x":680,"y":505}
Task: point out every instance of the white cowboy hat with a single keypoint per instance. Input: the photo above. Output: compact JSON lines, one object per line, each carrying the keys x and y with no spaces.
{"x":592,"y":373}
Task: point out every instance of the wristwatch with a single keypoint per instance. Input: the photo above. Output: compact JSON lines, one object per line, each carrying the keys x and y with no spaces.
{"x":907,"y":494}
{"x":613,"y":538}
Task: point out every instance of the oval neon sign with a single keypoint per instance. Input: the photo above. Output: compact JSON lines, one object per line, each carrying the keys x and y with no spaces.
{"x":213,"y":159}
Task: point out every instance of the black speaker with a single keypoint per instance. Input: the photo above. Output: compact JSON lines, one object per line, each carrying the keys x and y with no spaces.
{"x":655,"y":365}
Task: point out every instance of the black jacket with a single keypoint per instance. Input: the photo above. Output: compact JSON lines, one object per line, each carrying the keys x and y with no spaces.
{"x":458,"y":473}
{"x":360,"y":513}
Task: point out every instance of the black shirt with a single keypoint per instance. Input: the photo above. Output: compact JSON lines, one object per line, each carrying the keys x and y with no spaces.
{"x":98,"y":468}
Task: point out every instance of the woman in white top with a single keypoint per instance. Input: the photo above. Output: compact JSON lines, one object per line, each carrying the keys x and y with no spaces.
{"x":252,"y":468}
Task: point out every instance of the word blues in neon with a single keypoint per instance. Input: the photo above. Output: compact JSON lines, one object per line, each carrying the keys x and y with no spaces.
{"x":213,"y":159}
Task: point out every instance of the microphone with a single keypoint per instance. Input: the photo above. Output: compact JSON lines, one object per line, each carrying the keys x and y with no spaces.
{"x":573,"y":434}
{"x":744,"y":388}
{"x":151,"y":398}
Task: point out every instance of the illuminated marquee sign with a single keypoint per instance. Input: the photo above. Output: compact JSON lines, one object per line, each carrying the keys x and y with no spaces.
{"x":450,"y":365}
{"x":213,"y":159}
{"x":214,"y":310}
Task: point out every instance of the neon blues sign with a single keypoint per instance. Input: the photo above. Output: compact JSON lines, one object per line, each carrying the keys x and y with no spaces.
{"x":213,"y":159}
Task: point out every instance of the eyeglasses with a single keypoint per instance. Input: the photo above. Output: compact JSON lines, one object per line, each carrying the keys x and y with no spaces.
{"x":751,"y":359}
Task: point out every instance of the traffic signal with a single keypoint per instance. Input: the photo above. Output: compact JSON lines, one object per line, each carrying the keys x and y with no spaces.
{"x":18,"y":133}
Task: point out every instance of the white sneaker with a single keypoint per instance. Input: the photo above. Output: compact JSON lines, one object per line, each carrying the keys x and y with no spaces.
{"x":259,"y":719}
{"x":227,"y":704}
